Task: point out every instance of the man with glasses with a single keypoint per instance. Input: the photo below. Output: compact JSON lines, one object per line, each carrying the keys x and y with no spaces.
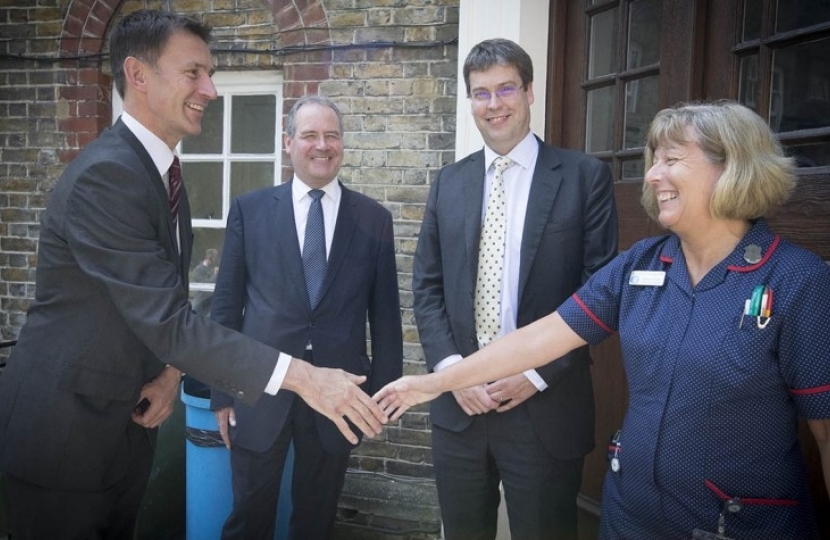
{"x":509,"y":233}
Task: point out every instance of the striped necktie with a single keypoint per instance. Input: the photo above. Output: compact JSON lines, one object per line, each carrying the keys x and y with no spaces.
{"x":175,"y":178}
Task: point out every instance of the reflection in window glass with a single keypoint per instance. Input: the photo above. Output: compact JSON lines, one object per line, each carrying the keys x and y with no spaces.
{"x":209,"y":140}
{"x":207,"y":245}
{"x":633,"y":171}
{"x":599,"y":132}
{"x":810,"y":154}
{"x":794,"y":14}
{"x":644,"y":33}
{"x":800,"y":87}
{"x":204,"y":189}
{"x":748,"y":84}
{"x":640,"y":107}
{"x":205,"y":240}
{"x":603,"y":53}
{"x":253,"y":124}
{"x":753,"y":10}
{"x":247,"y":177}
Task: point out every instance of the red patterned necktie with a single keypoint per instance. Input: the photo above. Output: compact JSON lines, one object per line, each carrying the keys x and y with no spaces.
{"x":175,"y":177}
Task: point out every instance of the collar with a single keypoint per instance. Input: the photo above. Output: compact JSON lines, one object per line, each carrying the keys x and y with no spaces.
{"x":753,"y":251}
{"x":522,"y":154}
{"x":159,"y":152}
{"x":300,"y":189}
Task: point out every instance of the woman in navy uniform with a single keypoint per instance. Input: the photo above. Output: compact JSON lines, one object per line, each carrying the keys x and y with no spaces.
{"x":723,"y":337}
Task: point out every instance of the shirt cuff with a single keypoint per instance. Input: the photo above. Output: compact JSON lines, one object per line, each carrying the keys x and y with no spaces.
{"x":277,"y":378}
{"x":536,"y":380}
{"x":447,"y":362}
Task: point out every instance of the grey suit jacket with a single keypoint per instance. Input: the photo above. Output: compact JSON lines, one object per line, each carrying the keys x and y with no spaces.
{"x":261,"y":291}
{"x":570,"y":231}
{"x":110,"y":310}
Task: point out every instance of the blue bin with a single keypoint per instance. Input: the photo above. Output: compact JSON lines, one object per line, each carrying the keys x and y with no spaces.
{"x":209,"y":495}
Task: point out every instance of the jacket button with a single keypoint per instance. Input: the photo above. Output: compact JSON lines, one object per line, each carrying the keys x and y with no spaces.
{"x":240,"y":395}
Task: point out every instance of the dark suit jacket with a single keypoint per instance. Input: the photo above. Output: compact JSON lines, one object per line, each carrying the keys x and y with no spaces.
{"x":570,"y":231}
{"x":111,"y":309}
{"x":261,"y":291}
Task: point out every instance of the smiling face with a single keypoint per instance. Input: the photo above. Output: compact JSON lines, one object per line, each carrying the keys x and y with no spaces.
{"x":316,"y":149}
{"x":681,"y":180}
{"x":504,"y":118}
{"x":174,"y":93}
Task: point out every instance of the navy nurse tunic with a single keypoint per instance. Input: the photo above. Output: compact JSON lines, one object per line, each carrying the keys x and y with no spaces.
{"x":713,"y":398}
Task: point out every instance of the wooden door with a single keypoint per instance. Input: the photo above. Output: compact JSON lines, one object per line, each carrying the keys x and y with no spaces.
{"x":615,"y":63}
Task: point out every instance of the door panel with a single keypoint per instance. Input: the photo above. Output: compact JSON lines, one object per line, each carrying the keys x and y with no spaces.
{"x":614,"y":63}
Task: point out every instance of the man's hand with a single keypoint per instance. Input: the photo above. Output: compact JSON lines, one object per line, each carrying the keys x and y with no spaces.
{"x":475,"y":400}
{"x":398,"y":396}
{"x":224,"y":418}
{"x":157,"y":398}
{"x":510,"y":392}
{"x":335,"y":394}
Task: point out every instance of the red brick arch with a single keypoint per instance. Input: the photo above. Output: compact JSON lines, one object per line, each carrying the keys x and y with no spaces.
{"x":85,"y":90}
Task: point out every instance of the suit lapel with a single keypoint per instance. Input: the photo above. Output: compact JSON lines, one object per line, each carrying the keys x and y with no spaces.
{"x":285,"y":234}
{"x":543,"y":189}
{"x":182,"y":260}
{"x":343,"y":233}
{"x":473,"y":199}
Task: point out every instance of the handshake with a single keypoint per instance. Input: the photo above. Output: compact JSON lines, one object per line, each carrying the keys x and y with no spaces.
{"x":336,"y":394}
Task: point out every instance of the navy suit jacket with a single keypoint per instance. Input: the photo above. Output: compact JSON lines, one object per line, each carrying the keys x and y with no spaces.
{"x":261,"y":291}
{"x":570,"y":231}
{"x":110,"y":310}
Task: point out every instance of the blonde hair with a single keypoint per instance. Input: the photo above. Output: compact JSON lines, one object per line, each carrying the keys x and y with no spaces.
{"x":756,"y":177}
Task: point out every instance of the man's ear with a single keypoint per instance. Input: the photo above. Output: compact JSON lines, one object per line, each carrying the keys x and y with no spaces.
{"x":135,"y":73}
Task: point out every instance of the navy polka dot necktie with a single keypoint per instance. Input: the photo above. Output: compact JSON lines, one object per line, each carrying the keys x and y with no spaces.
{"x":314,"y":248}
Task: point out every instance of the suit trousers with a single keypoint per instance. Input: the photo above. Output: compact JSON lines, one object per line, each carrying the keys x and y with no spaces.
{"x":316,"y":485}
{"x":540,"y":491}
{"x":39,"y":512}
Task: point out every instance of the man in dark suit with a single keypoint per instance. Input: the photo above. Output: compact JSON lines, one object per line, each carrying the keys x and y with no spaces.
{"x":263,"y":289}
{"x":97,"y":365}
{"x":558,"y":225}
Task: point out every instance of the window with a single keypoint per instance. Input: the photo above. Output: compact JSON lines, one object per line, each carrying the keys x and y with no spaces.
{"x":238,"y":151}
{"x":784,"y":72}
{"x":621,"y":87}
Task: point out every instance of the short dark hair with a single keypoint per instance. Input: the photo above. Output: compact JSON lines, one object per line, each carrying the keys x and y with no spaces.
{"x":291,"y":119}
{"x":501,"y":52}
{"x":143,"y":34}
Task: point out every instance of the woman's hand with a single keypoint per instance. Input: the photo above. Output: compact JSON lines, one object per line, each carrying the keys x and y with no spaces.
{"x":399,"y":396}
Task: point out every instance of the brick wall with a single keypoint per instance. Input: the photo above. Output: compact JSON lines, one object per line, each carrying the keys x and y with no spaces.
{"x":389,"y":65}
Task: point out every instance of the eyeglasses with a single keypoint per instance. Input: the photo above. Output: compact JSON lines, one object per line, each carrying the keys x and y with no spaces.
{"x":503,"y":93}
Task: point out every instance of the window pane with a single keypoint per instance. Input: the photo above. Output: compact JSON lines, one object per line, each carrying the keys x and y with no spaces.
{"x":205,"y":241}
{"x":800,"y":91}
{"x":748,"y":84}
{"x":603,"y":53}
{"x":644,"y":33}
{"x":599,"y":132}
{"x":204,"y":189}
{"x":253,"y":124}
{"x":210,"y":140}
{"x":794,"y":14}
{"x":810,"y":155}
{"x":640,"y":108}
{"x":753,"y":10}
{"x":633,"y":171}
{"x":247,"y":177}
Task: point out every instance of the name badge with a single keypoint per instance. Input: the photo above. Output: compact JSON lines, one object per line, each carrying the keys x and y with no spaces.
{"x":647,"y":278}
